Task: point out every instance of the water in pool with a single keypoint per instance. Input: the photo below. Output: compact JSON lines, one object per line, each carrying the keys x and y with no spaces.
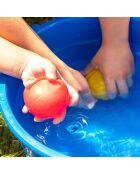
{"x":110,"y":129}
{"x":99,"y":132}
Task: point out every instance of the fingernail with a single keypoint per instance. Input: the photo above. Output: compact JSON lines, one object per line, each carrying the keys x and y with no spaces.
{"x":25,"y":109}
{"x":74,"y":99}
{"x":38,"y":119}
{"x":56,"y":121}
{"x":51,"y":77}
{"x":112,"y":96}
{"x":91,"y":105}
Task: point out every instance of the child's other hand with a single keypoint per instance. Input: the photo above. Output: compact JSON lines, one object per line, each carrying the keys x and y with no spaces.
{"x":37,"y":66}
{"x":86,"y":100}
{"x":115,"y":61}
{"x":78,"y":82}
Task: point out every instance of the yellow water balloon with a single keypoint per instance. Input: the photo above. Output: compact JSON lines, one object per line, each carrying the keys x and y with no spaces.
{"x":97,"y":84}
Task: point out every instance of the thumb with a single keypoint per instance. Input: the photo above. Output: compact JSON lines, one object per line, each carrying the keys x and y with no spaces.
{"x":59,"y":119}
{"x":50,"y":72}
{"x":74,"y":96}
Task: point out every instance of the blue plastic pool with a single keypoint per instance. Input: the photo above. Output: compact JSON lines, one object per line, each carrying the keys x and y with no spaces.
{"x":110,"y":129}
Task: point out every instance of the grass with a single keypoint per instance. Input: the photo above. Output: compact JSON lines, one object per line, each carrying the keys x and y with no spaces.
{"x":9,"y":145}
{"x":37,"y":20}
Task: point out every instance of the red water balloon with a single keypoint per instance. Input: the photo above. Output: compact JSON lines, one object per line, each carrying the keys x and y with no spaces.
{"x":46,"y":99}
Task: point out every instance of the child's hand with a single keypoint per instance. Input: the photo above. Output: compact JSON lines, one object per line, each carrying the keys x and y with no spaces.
{"x":86,"y":100}
{"x":19,"y":28}
{"x":77,"y":81}
{"x":115,"y":61}
{"x":37,"y":66}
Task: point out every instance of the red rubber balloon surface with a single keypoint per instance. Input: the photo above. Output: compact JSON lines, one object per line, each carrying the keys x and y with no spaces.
{"x":46,"y":99}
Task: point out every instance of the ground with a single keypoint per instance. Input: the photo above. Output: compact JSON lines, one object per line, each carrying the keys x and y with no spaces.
{"x":9,"y":145}
{"x":37,"y":20}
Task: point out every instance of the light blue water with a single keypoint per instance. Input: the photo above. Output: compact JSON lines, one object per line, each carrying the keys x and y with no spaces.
{"x":112,"y":128}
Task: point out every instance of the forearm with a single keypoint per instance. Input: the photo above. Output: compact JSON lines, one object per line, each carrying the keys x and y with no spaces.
{"x":12,"y":58}
{"x":18,"y":32}
{"x":114,"y":29}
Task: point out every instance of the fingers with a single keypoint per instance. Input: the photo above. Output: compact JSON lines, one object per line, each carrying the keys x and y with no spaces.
{"x":122,"y":88}
{"x":129,"y":81}
{"x":36,"y":68}
{"x":74,"y":78}
{"x":115,"y":87}
{"x":74,"y":96}
{"x":111,"y":88}
{"x":50,"y":72}
{"x":89,"y":68}
{"x":86,"y":100}
{"x":36,"y":119}
{"x":132,"y":64}
{"x":25,"y":109}
{"x":60,"y":119}
{"x":27,"y":82}
{"x":118,"y":87}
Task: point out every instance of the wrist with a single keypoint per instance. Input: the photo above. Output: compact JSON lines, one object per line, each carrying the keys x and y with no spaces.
{"x":115,"y":42}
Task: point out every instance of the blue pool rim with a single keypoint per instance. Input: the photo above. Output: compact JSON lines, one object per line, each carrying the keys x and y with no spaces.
{"x":24,"y":137}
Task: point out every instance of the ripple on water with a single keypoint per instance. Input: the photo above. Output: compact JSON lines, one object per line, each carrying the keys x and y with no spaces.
{"x":94,"y":132}
{"x":74,"y":128}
